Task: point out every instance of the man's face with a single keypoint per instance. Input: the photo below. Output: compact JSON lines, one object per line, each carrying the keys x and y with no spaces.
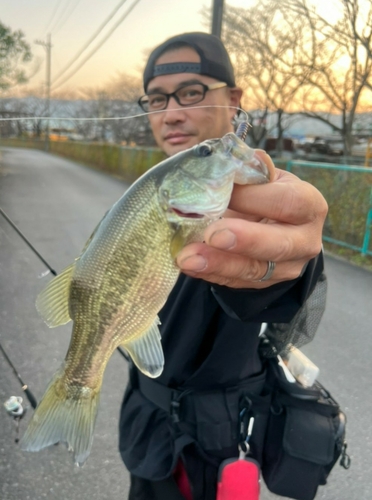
{"x":178,"y":128}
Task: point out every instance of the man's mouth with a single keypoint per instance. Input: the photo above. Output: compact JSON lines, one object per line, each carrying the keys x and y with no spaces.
{"x":176,"y":138}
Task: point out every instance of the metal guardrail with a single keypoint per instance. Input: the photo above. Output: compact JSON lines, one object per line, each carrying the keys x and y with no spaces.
{"x":348,"y":191}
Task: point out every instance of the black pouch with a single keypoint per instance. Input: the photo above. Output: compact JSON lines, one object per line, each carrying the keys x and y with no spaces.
{"x":305,"y":438}
{"x":215,"y":416}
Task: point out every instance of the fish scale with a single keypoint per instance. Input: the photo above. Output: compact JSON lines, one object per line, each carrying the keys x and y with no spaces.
{"x":115,"y":289}
{"x":115,"y":276}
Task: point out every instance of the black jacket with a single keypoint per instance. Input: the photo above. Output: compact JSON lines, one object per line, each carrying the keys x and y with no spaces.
{"x":210,"y":338}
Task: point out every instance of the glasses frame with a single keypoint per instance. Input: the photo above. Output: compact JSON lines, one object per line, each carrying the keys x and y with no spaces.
{"x":211,"y":86}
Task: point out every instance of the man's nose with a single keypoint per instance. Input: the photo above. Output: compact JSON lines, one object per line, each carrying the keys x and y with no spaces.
{"x":174,"y":112}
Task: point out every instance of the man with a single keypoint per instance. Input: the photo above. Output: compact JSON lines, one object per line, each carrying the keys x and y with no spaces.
{"x":258,"y":264}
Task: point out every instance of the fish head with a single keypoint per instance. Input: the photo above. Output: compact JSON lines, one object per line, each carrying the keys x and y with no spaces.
{"x":251,"y":166}
{"x":200,"y":180}
{"x":199,"y":184}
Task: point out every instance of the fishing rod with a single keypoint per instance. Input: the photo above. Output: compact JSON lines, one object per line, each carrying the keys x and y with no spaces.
{"x":24,"y":386}
{"x":8,"y":219}
{"x":27,"y":241}
{"x":14,"y":404}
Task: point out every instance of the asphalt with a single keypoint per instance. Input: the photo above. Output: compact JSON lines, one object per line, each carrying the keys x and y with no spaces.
{"x":56,"y":203}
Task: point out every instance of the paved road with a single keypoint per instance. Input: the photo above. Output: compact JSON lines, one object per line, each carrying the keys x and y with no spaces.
{"x":57,"y":204}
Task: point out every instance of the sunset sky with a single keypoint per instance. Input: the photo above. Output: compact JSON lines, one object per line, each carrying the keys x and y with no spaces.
{"x":73,"y":22}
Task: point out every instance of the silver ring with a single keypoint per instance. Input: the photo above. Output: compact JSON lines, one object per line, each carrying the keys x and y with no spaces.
{"x":270,"y":269}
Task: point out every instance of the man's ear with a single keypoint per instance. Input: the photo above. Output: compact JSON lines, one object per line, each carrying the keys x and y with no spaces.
{"x":235,"y":98}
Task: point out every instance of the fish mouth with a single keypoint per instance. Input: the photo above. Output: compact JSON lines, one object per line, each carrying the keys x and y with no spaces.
{"x":187,"y":215}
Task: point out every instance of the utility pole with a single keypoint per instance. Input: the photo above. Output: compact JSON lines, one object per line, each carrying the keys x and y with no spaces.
{"x":48,"y":47}
{"x":217,"y":15}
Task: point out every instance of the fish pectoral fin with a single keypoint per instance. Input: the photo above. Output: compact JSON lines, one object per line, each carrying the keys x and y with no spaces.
{"x":146,"y":351}
{"x":183,"y":235}
{"x":178,"y":242}
{"x":53,"y":302}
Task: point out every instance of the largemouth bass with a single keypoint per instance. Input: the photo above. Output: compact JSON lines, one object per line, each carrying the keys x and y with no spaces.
{"x":115,"y":289}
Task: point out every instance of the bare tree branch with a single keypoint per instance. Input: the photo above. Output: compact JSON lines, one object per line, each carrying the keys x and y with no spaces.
{"x":291,"y":58}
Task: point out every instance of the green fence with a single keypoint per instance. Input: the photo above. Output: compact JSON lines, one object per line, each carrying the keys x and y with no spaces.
{"x":347,"y":189}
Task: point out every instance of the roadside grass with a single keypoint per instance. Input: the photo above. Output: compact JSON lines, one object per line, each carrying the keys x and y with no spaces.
{"x":347,"y":193}
{"x":349,"y":255}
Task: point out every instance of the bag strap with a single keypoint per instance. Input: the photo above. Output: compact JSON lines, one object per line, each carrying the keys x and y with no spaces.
{"x":169,"y":399}
{"x":164,"y":397}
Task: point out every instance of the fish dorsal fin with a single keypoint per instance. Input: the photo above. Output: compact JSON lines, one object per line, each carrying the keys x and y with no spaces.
{"x":147,"y":352}
{"x":53,"y":302}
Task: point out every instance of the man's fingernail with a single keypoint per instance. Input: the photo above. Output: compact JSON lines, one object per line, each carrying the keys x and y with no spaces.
{"x":223,"y":239}
{"x":193,"y":263}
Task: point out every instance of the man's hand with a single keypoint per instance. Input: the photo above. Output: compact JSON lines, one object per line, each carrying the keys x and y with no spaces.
{"x":281,"y":222}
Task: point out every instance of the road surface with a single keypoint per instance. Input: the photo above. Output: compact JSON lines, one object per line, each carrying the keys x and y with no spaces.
{"x":57,"y":203}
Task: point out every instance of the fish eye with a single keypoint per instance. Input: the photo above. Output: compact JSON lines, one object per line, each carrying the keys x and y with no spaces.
{"x":204,"y":150}
{"x":164,"y":193}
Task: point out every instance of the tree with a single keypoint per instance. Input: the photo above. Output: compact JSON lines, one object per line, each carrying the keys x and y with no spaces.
{"x":293,"y":59}
{"x":14,"y":52}
{"x":341,"y":62}
{"x":117,"y":99}
{"x":266,"y":47}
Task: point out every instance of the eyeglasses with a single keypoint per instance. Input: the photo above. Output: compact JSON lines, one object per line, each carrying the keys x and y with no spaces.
{"x":184,"y":96}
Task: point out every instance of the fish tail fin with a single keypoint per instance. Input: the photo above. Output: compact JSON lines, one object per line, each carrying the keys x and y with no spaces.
{"x":65,"y":414}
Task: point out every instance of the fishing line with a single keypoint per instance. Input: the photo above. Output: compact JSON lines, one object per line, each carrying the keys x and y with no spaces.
{"x":241,"y":132}
{"x":139,"y":115}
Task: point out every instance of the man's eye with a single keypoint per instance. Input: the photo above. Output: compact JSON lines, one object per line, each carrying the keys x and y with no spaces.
{"x":156,"y":100}
{"x":189,"y":93}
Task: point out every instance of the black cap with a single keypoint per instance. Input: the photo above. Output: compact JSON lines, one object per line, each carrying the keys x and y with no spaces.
{"x":214,"y":59}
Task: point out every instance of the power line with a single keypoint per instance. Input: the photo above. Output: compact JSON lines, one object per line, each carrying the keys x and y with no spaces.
{"x":91,"y":39}
{"x":52,"y":16}
{"x":62,"y":13}
{"x":99,"y":46}
{"x":67,"y":17}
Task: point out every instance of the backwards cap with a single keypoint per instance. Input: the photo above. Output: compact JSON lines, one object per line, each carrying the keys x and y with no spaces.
{"x":214,"y":59}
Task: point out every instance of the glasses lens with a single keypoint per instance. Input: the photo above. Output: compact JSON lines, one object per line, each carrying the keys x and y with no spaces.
{"x":191,"y":94}
{"x":144,"y":103}
{"x":154,"y":102}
